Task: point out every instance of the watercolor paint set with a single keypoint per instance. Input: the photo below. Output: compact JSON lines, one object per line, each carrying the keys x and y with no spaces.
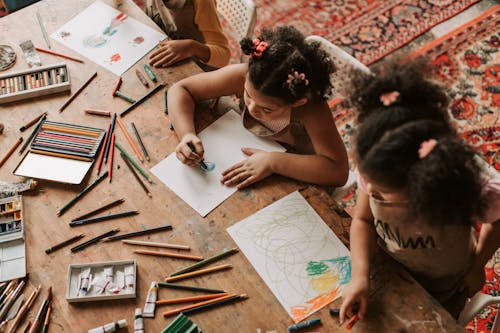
{"x":101,"y":281}
{"x":12,"y":244}
{"x":34,"y":82}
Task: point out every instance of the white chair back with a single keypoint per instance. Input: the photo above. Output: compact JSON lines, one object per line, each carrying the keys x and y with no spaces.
{"x":240,"y":14}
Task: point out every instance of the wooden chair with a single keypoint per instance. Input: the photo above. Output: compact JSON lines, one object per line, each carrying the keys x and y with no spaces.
{"x":241,"y":15}
{"x":477,"y":304}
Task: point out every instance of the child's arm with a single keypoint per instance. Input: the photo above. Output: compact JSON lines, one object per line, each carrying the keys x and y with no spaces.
{"x":362,"y":244}
{"x":183,"y":96}
{"x":172,"y":51}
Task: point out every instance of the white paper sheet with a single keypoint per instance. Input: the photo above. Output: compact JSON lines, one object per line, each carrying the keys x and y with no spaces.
{"x":222,"y":142}
{"x":115,"y":49}
{"x":297,"y":255}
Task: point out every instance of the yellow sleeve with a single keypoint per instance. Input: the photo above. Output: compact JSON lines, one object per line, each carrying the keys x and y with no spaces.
{"x":208,"y":23}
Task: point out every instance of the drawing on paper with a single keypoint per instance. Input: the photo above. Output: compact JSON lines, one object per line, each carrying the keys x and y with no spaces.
{"x":137,"y":40}
{"x":298,"y":256}
{"x":207,"y":166}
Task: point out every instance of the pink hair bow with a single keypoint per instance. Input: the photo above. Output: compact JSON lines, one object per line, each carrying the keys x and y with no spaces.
{"x":389,"y":98}
{"x":426,"y":147}
{"x":299,"y":76}
{"x":258,"y":47}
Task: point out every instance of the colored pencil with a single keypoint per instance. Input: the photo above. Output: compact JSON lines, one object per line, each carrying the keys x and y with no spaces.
{"x":110,"y":136}
{"x":134,"y":163}
{"x":117,"y":86}
{"x":129,"y":139}
{"x":140,"y":100}
{"x":94,"y":240}
{"x":27,"y":328}
{"x":49,"y":153}
{"x":10,"y":151}
{"x":190,"y":299}
{"x":205,"y":262}
{"x":190,"y":288}
{"x":150,"y":73}
{"x":76,"y":93}
{"x":101,"y":154}
{"x":195,"y":305}
{"x":98,"y":112}
{"x":24,"y":309}
{"x":41,"y":312}
{"x":165,"y":102}
{"x":45,"y":326}
{"x":32,"y":122}
{"x":141,"y":144}
{"x":12,"y":297}
{"x":111,"y":157}
{"x":138,"y":233}
{"x":81,"y":194}
{"x":124,"y":97}
{"x":155,"y":244}
{"x":42,"y":27}
{"x":136,"y":176}
{"x":168,"y":254}
{"x":58,"y":54}
{"x":102,"y":218}
{"x":100,"y":209}
{"x":197,"y":273}
{"x":141,"y":78}
{"x":64,"y":243}
{"x":352,"y":321}
{"x":214,"y":304}
{"x":203,"y":165}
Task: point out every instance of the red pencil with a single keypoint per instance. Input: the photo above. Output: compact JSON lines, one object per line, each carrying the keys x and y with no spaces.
{"x":352,"y":321}
{"x":111,"y":154}
{"x":117,"y":86}
{"x":58,"y":54}
{"x":101,"y":154}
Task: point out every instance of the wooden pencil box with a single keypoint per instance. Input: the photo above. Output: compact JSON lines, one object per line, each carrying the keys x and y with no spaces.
{"x":101,"y":281}
{"x":34,"y":82}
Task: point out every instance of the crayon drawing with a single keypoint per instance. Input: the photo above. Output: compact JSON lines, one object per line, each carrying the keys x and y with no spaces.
{"x":101,"y":32}
{"x":222,"y":142}
{"x":298,"y":256}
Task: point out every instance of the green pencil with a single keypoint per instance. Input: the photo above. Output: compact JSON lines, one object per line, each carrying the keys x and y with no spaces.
{"x":82,"y":193}
{"x":205,"y":262}
{"x":191,"y":288}
{"x":150,"y":73}
{"x":134,"y":163}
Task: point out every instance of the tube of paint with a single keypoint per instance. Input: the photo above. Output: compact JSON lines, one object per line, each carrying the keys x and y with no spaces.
{"x":138,"y":321}
{"x":149,"y":306}
{"x":111,"y":327}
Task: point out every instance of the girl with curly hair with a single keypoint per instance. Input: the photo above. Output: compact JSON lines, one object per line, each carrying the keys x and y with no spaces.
{"x":284,"y":88}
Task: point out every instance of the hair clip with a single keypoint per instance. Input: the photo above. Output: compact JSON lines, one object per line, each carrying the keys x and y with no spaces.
{"x":301,"y":77}
{"x":426,"y":147}
{"x":389,"y":98}
{"x":258,"y":48}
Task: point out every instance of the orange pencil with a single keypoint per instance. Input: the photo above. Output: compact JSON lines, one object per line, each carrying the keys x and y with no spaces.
{"x":190,"y":299}
{"x":352,"y":321}
{"x":137,"y":152}
{"x":198,"y":272}
{"x":10,"y":151}
{"x":117,"y":86}
{"x":58,"y":54}
{"x":111,"y":154}
{"x":169,"y":254}
{"x":187,"y":307}
{"x":101,"y":154}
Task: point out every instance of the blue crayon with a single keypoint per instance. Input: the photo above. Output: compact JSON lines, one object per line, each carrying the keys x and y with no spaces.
{"x":304,"y":324}
{"x":334,"y":312}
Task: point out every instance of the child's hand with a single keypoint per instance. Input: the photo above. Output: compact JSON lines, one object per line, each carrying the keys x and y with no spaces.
{"x":354,"y":299}
{"x":250,"y":170}
{"x":170,"y":52}
{"x":185,"y":153}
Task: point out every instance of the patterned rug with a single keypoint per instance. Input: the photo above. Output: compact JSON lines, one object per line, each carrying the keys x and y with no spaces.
{"x":468,"y":59}
{"x":367,"y":29}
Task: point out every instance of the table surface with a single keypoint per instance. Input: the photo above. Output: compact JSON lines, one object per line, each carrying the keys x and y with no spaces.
{"x":397,"y":303}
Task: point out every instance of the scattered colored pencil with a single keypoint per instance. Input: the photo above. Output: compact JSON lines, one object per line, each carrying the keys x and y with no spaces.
{"x":165,"y":101}
{"x":111,"y":156}
{"x":129,"y":139}
{"x":136,"y":176}
{"x":141,"y":78}
{"x":10,"y":151}
{"x":138,"y":233}
{"x":214,"y":304}
{"x":32,"y":122}
{"x":102,"y":218}
{"x":187,"y":307}
{"x":49,"y":153}
{"x":140,"y":100}
{"x":134,"y":163}
{"x":41,"y":312}
{"x":117,"y":86}
{"x":58,"y":54}
{"x":45,"y":326}
{"x":205,"y":262}
{"x":64,"y":243}
{"x":190,"y":299}
{"x":197,"y":273}
{"x":124,"y":97}
{"x":100,"y":209}
{"x":190,"y":288}
{"x":24,"y":309}
{"x":168,"y":254}
{"x":155,"y":244}
{"x":76,"y":93}
{"x":352,"y":321}
{"x":94,"y":240}
{"x":81,"y":194}
{"x":110,"y":136}
{"x":98,"y":112}
{"x":101,"y":153}
{"x":141,"y":144}
{"x":150,"y":73}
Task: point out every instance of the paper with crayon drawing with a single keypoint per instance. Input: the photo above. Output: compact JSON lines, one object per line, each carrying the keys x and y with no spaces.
{"x":297,"y":255}
{"x":108,"y":37}
{"x":222,"y":142}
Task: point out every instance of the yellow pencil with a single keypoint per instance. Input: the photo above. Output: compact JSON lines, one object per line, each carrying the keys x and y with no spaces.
{"x":190,"y":299}
{"x":198,"y":272}
{"x":10,"y":151}
{"x":169,"y":254}
{"x":195,"y":305}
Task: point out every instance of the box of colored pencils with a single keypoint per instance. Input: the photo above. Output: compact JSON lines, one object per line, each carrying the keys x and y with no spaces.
{"x":12,"y":245}
{"x":61,"y":152}
{"x":34,"y":82}
{"x":101,"y":281}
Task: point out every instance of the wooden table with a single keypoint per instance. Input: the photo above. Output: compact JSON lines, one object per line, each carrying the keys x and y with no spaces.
{"x":397,"y":304}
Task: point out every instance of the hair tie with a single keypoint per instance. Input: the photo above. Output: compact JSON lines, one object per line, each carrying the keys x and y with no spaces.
{"x":258,"y":48}
{"x":389,"y":98}
{"x":300,"y":77}
{"x":426,"y":147}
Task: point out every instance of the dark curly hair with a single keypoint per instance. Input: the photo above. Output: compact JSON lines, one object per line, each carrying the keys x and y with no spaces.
{"x":444,"y":186}
{"x":287,"y":52}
